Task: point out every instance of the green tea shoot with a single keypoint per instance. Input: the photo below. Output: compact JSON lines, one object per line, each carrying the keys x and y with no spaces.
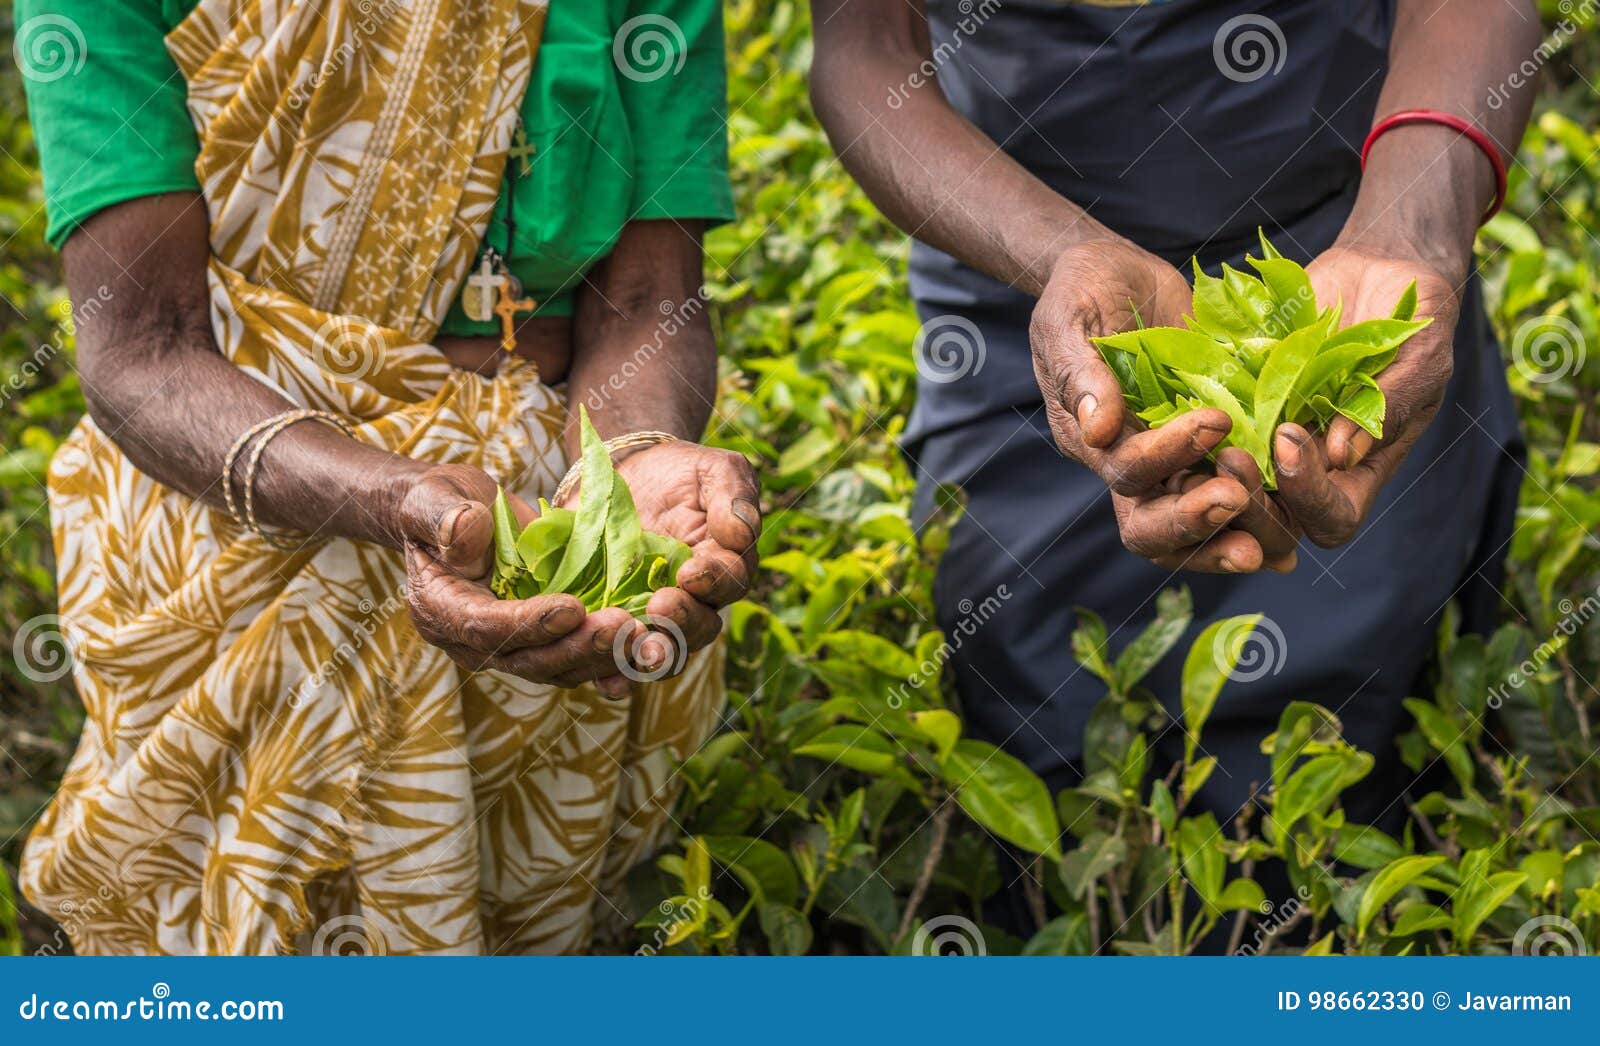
{"x":599,"y":553}
{"x":1258,"y":349}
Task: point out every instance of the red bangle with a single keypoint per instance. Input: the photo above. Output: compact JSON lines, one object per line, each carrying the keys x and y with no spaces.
{"x":1455,"y":123}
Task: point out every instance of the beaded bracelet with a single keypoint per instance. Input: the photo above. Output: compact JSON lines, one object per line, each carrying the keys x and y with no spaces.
{"x":647,"y":438}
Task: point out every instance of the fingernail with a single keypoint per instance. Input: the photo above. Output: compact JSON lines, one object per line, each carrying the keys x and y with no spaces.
{"x":615,"y":687}
{"x":1217,"y":515}
{"x":561,"y":619}
{"x":747,"y":514}
{"x":1288,"y":453}
{"x":1360,"y":445}
{"x":1086,"y":408}
{"x":1205,"y":438}
{"x":1229,"y":566}
{"x":447,"y":529}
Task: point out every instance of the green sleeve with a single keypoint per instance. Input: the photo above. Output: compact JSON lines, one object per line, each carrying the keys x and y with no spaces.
{"x":677,"y":114}
{"x":107,"y":104}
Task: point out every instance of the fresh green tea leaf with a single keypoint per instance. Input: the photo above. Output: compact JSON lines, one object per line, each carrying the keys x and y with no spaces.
{"x":542,"y":542}
{"x":1365,"y":347}
{"x":1173,"y":349}
{"x":1363,"y":403}
{"x":1259,"y":349}
{"x":1388,"y":882}
{"x":508,"y":567}
{"x":1287,"y":361}
{"x":600,"y":553}
{"x":586,"y":547}
{"x":625,"y":553}
{"x":1406,"y":307}
{"x":1209,"y":664}
{"x":1004,"y":796}
{"x":1215,"y":312}
{"x":1160,"y":414}
{"x":1244,"y":434}
{"x":1296,"y":303}
{"x":1252,"y":299}
{"x":1145,"y":377}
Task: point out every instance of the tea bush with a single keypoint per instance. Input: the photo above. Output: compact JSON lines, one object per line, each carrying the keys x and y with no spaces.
{"x":842,"y":809}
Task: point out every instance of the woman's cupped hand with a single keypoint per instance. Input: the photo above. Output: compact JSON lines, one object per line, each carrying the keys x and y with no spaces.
{"x":441,"y":519}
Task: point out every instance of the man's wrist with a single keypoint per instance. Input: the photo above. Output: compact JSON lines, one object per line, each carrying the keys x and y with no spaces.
{"x":1422,"y":196}
{"x":1072,"y":231}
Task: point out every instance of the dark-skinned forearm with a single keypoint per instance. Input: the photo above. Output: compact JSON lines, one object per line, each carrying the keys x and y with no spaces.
{"x":1426,"y":186}
{"x":926,"y":167}
{"x":644,"y":356}
{"x":157,"y":386}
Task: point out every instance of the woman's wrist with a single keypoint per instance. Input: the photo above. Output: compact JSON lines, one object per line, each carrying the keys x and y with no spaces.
{"x":1422,"y":196}
{"x":316,"y":480}
{"x":380,"y":495}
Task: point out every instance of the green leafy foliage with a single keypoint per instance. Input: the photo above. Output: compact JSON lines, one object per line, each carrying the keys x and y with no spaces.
{"x":784,"y":845}
{"x":1258,"y":349}
{"x":598,"y":553}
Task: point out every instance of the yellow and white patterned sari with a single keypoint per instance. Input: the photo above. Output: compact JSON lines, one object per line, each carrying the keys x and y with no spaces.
{"x":273,"y":760}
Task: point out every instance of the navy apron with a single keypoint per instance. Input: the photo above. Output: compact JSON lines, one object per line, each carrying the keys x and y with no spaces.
{"x":1129,"y":112}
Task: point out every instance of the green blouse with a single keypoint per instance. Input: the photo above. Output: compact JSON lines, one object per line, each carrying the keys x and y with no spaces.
{"x":609,"y":147}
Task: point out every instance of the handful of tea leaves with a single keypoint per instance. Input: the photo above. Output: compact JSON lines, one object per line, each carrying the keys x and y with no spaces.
{"x":599,"y":553}
{"x":1258,"y":349}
